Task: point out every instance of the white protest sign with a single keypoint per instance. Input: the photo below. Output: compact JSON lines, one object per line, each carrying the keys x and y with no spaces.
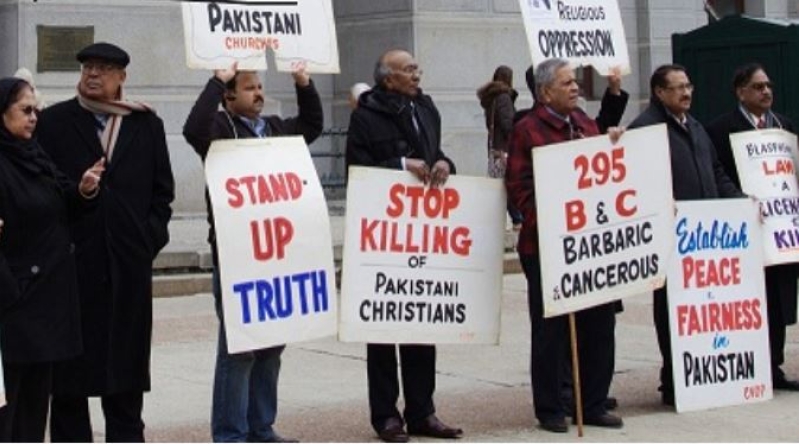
{"x":274,"y":244}
{"x":584,"y":32}
{"x":422,"y":265}
{"x":605,"y":214}
{"x":766,"y":161}
{"x":717,"y":306}
{"x":301,"y":33}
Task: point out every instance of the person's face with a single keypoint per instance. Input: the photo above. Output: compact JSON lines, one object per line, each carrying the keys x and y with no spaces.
{"x":405,"y":74}
{"x":100,"y":80}
{"x":676,"y":95}
{"x":248,"y":98}
{"x":20,"y":118}
{"x":561,"y":95}
{"x":757,"y":95}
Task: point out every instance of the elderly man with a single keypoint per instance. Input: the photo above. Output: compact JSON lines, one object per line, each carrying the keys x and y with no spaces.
{"x":397,"y":126}
{"x":115,"y":244}
{"x":755,"y":96}
{"x":245,"y":384}
{"x":555,"y":118}
{"x":696,"y":174}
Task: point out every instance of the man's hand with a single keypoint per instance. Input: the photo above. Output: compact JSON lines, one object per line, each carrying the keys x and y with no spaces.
{"x":226,"y":75}
{"x":90,"y":182}
{"x":440,"y":174}
{"x":301,"y":78}
{"x":418,"y":168}
{"x":614,"y":81}
{"x":615,"y":133}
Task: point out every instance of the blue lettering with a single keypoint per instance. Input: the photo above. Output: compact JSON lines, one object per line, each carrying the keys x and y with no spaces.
{"x":243,"y":290}
{"x":720,"y":236}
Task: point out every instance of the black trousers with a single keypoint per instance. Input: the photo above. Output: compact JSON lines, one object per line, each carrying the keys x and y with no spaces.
{"x":660,"y":313}
{"x":70,"y":420}
{"x":418,"y":365}
{"x":24,"y":418}
{"x":548,"y":342}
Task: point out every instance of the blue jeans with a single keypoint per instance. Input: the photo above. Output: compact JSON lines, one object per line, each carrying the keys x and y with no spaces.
{"x":245,"y":388}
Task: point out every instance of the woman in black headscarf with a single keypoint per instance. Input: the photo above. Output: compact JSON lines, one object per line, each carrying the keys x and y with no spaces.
{"x":39,"y":314}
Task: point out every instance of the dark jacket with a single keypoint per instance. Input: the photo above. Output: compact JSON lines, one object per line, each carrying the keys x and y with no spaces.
{"x":39,"y":308}
{"x":497,"y":100}
{"x":781,"y":279}
{"x":116,"y":244}
{"x":206,"y":123}
{"x":696,"y":172}
{"x":382,"y":132}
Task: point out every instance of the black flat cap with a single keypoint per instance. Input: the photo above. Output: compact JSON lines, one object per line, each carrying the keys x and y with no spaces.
{"x":104,"y":51}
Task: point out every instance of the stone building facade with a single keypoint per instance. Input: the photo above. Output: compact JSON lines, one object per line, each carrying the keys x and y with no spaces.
{"x":458,"y":43}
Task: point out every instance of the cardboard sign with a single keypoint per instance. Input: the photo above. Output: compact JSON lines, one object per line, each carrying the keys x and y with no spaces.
{"x":422,"y":265}
{"x":605,"y":214}
{"x":584,"y":32}
{"x":717,"y":306}
{"x":274,"y":243}
{"x":301,"y":33}
{"x":766,"y":161}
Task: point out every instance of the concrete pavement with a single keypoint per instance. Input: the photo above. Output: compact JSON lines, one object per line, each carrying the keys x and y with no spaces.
{"x":483,"y":389}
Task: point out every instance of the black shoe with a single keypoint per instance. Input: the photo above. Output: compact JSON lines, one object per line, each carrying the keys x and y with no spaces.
{"x":604,"y":420}
{"x":393,"y":431}
{"x":554,"y":425}
{"x":786,"y":384}
{"x":434,"y":428}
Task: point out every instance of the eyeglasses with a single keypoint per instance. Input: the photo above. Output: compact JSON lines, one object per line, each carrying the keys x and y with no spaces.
{"x":681,"y":88}
{"x":28,"y":110}
{"x":760,"y":86}
{"x":99,"y":67}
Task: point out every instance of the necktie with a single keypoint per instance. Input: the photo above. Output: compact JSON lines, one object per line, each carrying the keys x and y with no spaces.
{"x":761,"y":123}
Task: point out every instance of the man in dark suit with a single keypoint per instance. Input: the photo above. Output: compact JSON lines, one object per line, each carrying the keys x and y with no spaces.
{"x":755,"y":96}
{"x":115,"y":245}
{"x":397,"y":126}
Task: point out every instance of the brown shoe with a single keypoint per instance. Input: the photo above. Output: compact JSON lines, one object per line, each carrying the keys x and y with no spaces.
{"x":434,"y":428}
{"x":393,"y":431}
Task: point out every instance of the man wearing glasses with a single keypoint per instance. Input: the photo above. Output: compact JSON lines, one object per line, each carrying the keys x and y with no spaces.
{"x":755,"y":95}
{"x":696,"y":174}
{"x":115,"y":245}
{"x":397,"y":126}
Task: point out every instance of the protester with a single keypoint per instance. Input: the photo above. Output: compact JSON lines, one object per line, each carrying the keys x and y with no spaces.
{"x":696,"y":174}
{"x":397,"y":126}
{"x":245,"y":384}
{"x":497,"y":98}
{"x":115,"y":244}
{"x":39,"y":309}
{"x":555,"y":117}
{"x":753,"y":89}
{"x":355,"y":93}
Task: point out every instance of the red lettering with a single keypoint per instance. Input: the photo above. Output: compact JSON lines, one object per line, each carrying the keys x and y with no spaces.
{"x":621,"y":209}
{"x":711,"y":272}
{"x":236,"y":199}
{"x":575,"y":215}
{"x":277,"y":234}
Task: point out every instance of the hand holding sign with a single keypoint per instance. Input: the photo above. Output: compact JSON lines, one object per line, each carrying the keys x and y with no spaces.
{"x":226,"y":75}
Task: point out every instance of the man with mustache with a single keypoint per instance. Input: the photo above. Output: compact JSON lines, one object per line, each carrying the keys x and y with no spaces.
{"x":755,"y":96}
{"x":245,"y":384}
{"x":696,"y":174}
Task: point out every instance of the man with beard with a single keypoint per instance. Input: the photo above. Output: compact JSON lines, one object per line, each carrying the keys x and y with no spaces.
{"x":244,"y":404}
{"x":696,"y":174}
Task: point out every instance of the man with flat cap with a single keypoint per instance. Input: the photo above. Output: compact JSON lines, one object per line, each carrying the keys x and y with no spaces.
{"x":115,"y":245}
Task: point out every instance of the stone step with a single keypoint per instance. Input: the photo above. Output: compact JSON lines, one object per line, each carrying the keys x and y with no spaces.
{"x":195,"y":280}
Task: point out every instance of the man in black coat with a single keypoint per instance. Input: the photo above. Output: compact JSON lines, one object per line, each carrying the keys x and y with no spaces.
{"x":115,"y":244}
{"x":397,"y":126}
{"x":755,"y":97}
{"x":696,"y":174}
{"x":245,"y":384}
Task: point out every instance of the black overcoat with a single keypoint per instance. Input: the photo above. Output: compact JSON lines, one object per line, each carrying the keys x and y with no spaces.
{"x":780,"y":278}
{"x":39,"y":316}
{"x":115,"y":245}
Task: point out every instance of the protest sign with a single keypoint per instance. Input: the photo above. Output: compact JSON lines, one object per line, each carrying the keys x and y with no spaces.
{"x":422,"y":265}
{"x":717,"y":306}
{"x":766,"y":163}
{"x":604,"y":220}
{"x":274,"y":243}
{"x":301,"y":33}
{"x":584,"y":32}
